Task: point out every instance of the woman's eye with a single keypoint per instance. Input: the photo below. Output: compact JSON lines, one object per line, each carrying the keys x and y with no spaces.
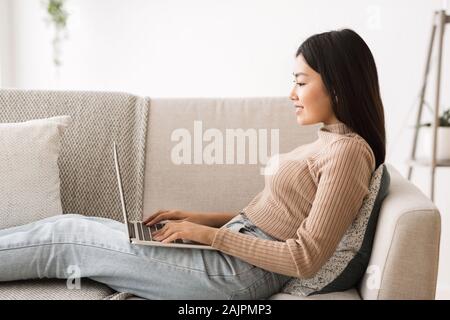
{"x":298,"y":83}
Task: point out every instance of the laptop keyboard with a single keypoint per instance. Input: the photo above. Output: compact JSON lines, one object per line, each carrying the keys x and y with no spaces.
{"x":131,"y":230}
{"x":139,"y":225}
{"x":145,"y":233}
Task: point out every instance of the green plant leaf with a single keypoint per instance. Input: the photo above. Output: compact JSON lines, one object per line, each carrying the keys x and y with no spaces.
{"x":58,"y":16}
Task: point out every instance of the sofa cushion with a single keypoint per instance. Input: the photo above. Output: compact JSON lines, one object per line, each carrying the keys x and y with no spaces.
{"x":29,"y":172}
{"x":55,"y":289}
{"x":351,"y":294}
{"x":349,"y":262}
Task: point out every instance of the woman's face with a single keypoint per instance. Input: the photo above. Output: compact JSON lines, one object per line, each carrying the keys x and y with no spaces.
{"x":310,"y":97}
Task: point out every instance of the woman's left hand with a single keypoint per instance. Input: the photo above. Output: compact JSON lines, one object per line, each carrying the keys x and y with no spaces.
{"x":180,"y":229}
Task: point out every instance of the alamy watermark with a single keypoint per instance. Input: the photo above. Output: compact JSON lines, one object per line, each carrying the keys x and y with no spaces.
{"x":229,"y":149}
{"x":373,"y":21}
{"x":73,"y":281}
{"x":373,"y":281}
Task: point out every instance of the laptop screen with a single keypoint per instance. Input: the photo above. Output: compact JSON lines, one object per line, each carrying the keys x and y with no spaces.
{"x":119,"y":182}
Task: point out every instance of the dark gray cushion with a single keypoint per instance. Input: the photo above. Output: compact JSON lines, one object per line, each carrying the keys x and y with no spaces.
{"x":356,"y":268}
{"x":348,"y":263}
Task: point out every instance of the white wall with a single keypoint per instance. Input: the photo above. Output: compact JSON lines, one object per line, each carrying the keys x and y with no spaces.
{"x":5,"y":43}
{"x":199,"y":48}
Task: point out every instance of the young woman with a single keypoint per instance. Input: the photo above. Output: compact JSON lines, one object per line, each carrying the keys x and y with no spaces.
{"x":290,"y":229}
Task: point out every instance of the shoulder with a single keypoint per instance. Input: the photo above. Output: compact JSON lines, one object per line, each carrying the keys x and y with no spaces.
{"x":353,"y":143}
{"x":349,"y":150}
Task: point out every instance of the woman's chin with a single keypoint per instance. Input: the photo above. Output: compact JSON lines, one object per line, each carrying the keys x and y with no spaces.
{"x":300,"y":120}
{"x":303,"y":122}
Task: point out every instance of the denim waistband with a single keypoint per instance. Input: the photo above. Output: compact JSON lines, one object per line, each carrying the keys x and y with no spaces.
{"x":242,"y":224}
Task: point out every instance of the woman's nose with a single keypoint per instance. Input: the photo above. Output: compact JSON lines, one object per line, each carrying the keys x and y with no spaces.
{"x":292,"y":95}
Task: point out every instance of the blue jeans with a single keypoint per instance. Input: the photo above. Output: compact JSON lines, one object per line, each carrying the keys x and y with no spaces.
{"x":98,"y":248}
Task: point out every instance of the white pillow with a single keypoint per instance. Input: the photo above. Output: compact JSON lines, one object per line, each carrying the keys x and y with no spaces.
{"x":29,"y":173}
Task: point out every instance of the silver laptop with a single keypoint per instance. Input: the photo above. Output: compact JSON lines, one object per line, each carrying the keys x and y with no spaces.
{"x":139,"y":233}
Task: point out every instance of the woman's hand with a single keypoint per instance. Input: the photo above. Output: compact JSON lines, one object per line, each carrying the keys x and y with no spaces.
{"x":181,"y":229}
{"x":161,"y":215}
{"x":210,"y":219}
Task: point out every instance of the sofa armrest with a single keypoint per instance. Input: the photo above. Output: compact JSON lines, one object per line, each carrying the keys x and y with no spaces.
{"x":405,"y":254}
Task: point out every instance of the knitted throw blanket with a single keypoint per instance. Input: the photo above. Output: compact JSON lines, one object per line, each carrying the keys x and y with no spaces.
{"x":88,"y":177}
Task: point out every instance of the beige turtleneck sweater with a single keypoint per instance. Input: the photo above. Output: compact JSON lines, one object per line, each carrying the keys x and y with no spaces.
{"x":308,"y":204}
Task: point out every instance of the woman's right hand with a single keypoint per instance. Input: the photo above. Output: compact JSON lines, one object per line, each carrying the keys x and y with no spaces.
{"x":161,"y":215}
{"x":210,"y":219}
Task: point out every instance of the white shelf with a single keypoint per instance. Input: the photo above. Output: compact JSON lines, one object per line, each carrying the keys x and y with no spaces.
{"x":427,"y":162}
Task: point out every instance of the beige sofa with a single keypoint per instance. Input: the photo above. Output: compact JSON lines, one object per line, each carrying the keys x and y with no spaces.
{"x":405,"y":255}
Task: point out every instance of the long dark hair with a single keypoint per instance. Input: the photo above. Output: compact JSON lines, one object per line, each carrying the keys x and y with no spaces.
{"x":349,"y":73}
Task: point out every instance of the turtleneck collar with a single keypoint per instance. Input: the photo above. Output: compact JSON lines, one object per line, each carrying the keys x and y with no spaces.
{"x":339,"y":128}
{"x":328,"y":131}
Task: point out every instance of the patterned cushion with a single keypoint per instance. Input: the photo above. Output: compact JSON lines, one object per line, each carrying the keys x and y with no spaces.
{"x":29,"y":172}
{"x":349,"y":262}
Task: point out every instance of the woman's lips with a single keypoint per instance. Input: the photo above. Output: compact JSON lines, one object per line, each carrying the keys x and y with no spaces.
{"x":298,"y":109}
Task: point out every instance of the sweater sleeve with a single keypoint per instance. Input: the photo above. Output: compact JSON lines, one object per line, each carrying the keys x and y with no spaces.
{"x":343,"y":174}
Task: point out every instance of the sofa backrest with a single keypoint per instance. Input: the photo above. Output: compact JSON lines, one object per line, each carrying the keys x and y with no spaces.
{"x":200,"y":186}
{"x":405,"y":254}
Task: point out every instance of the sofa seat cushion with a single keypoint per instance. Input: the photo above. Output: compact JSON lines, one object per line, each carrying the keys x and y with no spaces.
{"x":54,"y":289}
{"x":351,"y":294}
